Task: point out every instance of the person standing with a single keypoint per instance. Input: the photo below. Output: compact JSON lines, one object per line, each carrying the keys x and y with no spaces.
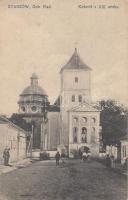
{"x":6,"y":156}
{"x":62,"y":158}
{"x":108,"y":161}
{"x":84,"y":156}
{"x":57,"y":157}
{"x":112,"y":161}
{"x":88,"y":155}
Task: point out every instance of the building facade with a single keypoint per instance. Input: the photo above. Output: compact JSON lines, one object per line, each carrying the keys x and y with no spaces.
{"x":78,"y":122}
{"x":13,"y":137}
{"x":72,"y":123}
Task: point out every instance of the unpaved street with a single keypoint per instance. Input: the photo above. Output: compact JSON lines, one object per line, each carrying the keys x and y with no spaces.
{"x":71,"y":181}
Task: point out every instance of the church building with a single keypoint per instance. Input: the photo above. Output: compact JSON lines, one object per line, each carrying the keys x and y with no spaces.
{"x":72,"y":123}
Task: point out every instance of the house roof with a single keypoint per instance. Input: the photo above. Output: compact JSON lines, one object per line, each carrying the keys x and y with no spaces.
{"x":75,"y":62}
{"x":4,"y":120}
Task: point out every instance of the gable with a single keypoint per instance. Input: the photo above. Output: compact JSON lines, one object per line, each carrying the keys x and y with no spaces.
{"x":84,"y":107}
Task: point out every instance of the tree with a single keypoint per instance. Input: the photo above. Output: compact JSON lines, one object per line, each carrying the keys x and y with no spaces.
{"x":19,"y":121}
{"x":114,"y":124}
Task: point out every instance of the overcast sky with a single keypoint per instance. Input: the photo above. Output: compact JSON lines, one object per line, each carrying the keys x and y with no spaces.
{"x":43,"y":40}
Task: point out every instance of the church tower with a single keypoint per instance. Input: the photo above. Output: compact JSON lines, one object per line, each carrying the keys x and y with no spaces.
{"x":75,"y":89}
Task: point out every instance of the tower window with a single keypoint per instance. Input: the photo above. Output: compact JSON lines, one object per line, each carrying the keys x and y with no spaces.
{"x":73,"y":98}
{"x":80,"y":98}
{"x":76,"y":79}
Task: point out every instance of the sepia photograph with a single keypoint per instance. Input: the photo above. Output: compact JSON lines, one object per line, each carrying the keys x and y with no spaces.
{"x":63,"y":100}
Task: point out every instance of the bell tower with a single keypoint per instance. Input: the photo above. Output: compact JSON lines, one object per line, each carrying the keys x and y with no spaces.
{"x":75,"y":89}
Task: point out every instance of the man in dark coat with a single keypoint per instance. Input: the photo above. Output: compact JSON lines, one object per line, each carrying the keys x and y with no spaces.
{"x":6,"y":156}
{"x":108,"y":161}
{"x":57,"y":157}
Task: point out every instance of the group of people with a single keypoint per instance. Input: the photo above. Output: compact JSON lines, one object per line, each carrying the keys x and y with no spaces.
{"x":59,"y":156}
{"x":85,"y":156}
{"x":110,"y":161}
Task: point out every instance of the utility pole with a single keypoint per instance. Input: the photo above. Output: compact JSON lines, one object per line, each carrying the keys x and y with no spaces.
{"x":31,"y":141}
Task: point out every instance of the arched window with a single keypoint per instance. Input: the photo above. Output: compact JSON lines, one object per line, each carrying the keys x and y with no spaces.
{"x":75,"y":119}
{"x":80,"y":98}
{"x":84,"y":135}
{"x":84,"y":119}
{"x":73,"y":98}
{"x":76,"y":79}
{"x":93,"y":135}
{"x":75,"y":130}
{"x":93,"y":119}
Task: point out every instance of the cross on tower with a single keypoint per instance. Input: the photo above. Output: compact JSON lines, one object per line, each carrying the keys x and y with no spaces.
{"x":76,"y":44}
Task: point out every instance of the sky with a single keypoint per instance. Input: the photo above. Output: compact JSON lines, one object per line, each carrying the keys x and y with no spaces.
{"x":42,"y":40}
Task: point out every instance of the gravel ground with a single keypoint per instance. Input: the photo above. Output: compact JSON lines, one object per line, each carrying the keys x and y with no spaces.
{"x":73,"y":180}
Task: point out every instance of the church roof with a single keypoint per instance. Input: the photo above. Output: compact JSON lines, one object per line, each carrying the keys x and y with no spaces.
{"x":75,"y":62}
{"x":84,"y":107}
{"x":31,"y":90}
{"x":34,"y":88}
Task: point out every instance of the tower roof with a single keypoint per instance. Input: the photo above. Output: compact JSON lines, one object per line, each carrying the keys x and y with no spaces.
{"x":75,"y":62}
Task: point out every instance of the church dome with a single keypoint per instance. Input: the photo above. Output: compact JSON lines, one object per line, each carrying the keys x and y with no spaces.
{"x":34,"y":88}
{"x":31,"y":90}
{"x":33,"y":93}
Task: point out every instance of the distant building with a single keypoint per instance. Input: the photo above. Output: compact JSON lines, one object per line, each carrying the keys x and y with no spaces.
{"x":13,"y":137}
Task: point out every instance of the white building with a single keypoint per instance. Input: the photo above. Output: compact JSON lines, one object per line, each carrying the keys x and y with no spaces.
{"x":77,"y":120}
